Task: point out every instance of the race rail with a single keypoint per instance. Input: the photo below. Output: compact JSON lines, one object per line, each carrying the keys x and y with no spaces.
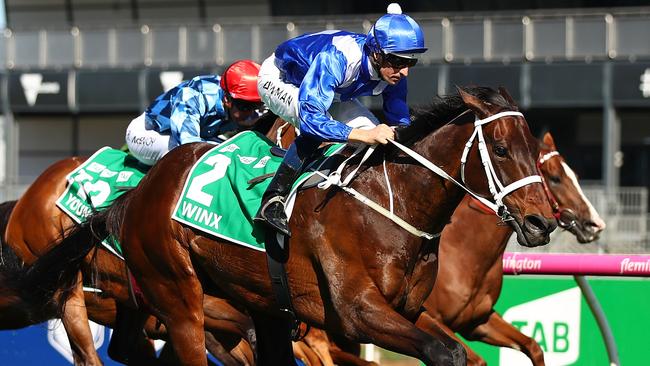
{"x":578,"y":266}
{"x":632,"y":265}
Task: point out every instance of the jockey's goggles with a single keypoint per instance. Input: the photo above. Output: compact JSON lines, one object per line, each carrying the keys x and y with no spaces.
{"x":399,"y":61}
{"x":246,"y":106}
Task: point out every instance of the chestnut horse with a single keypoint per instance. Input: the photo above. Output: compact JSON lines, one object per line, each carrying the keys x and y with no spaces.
{"x":463,"y":301}
{"x":34,"y":224}
{"x":366,"y":282}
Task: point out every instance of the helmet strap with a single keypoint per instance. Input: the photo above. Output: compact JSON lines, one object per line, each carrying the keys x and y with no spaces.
{"x":376,"y":59}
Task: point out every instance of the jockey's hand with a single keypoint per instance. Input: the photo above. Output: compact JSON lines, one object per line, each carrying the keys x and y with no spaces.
{"x":380,"y":134}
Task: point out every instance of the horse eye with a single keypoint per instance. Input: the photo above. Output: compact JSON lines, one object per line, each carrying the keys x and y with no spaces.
{"x":554,"y":179}
{"x":500,"y":151}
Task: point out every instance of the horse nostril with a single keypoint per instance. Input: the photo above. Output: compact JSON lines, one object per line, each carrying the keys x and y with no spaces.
{"x":592,"y":226}
{"x":539,"y":224}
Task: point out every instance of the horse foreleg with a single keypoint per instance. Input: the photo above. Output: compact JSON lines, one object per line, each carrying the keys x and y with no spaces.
{"x":305,"y":354}
{"x":177,"y":300}
{"x":222,"y":316}
{"x":369,"y":317}
{"x":498,"y":332}
{"x":75,"y":321}
{"x":218,"y":350}
{"x":243,"y":352}
{"x":318,"y":341}
{"x":346,"y":358}
{"x":434,"y":327}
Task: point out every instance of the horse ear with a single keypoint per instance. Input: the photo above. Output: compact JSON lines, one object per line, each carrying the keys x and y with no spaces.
{"x":504,"y":93}
{"x":548,"y":141}
{"x":475,"y":104}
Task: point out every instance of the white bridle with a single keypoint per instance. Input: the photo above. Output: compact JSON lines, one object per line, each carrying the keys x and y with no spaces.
{"x":497,"y":189}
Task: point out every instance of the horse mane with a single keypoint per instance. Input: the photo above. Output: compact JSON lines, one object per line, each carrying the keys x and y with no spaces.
{"x":442,"y":110}
{"x":9,"y":260}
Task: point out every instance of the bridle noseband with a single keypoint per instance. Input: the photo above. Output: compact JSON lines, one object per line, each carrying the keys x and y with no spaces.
{"x":497,"y":189}
{"x":559,"y":212}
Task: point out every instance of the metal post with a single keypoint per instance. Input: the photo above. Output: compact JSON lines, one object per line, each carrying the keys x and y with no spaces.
{"x":612,"y":156}
{"x":601,"y":319}
{"x":525,"y":85}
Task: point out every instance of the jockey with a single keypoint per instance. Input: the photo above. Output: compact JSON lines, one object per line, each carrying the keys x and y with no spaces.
{"x":306,"y":74}
{"x":200,"y":109}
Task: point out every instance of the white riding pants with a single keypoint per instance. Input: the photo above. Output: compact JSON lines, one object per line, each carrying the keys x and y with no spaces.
{"x":146,"y":144}
{"x":282,"y":99}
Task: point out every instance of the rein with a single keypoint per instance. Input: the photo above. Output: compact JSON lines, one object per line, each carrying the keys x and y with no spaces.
{"x":497,"y":189}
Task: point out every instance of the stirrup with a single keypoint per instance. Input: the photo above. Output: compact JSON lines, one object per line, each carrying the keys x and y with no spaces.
{"x":273,"y":221}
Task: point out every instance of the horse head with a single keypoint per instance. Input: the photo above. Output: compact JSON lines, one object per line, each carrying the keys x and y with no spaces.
{"x":572,"y":209}
{"x":498,"y":159}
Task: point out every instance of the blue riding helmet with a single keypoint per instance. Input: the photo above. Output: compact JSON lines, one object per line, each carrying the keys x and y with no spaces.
{"x":396,"y":33}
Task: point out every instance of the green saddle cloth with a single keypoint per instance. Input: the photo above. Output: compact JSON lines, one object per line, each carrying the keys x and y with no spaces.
{"x":100,"y":180}
{"x":217,"y":198}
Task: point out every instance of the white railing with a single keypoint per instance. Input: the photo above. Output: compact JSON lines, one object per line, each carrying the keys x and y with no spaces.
{"x":493,"y":37}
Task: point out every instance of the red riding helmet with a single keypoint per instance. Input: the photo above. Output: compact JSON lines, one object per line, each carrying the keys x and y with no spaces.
{"x":240,"y":80}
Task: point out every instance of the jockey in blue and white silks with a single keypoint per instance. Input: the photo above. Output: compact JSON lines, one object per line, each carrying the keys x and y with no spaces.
{"x":200,"y":109}
{"x":313,"y":82}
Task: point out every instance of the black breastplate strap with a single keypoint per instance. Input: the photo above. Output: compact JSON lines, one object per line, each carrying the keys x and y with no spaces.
{"x":277,"y":254}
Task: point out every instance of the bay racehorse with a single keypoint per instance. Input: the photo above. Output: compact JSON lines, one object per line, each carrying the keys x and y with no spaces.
{"x":351,"y":270}
{"x":34,"y":224}
{"x":463,"y":301}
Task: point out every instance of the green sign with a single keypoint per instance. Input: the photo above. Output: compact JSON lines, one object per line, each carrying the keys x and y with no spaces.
{"x":553,"y":312}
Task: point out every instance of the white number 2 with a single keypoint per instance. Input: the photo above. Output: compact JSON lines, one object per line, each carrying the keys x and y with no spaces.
{"x":219,"y":165}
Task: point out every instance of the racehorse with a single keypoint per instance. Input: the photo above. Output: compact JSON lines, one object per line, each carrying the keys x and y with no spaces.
{"x":463,"y":301}
{"x":366,"y":282}
{"x":36,"y":224}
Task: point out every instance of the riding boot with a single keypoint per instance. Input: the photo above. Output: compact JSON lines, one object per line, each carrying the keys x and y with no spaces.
{"x":272,"y":209}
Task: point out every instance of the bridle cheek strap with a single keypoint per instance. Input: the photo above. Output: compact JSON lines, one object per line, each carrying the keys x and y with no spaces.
{"x":495,"y":186}
{"x":557,"y":211}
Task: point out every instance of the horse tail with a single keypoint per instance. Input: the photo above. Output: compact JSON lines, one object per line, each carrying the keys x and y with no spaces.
{"x":51,"y":279}
{"x":15,"y":311}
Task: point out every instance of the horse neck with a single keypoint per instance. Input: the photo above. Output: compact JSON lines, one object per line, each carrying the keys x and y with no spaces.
{"x":444,"y":148}
{"x":461,"y":250}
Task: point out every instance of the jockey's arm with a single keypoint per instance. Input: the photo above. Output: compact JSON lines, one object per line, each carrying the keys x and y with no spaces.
{"x":315,"y":97}
{"x":186,"y":116}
